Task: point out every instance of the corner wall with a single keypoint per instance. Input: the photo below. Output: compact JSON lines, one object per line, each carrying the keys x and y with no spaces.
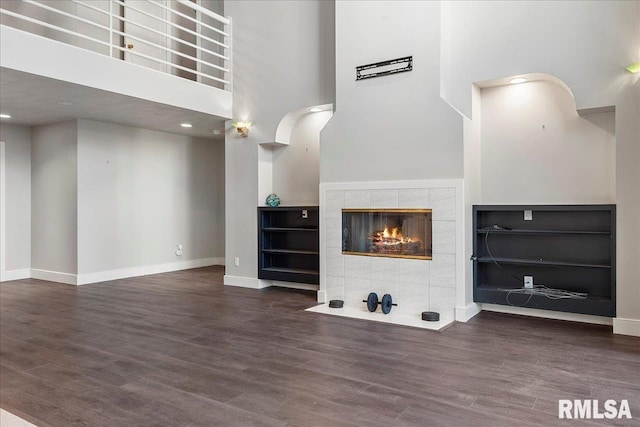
{"x":273,"y":73}
{"x":586,"y":44}
{"x":296,"y":174}
{"x":393,"y":127}
{"x":628,"y":211}
{"x":54,"y":201}
{"x":395,"y":141}
{"x":17,"y":203}
{"x":536,"y":149}
{"x":478,"y":44}
{"x":140,"y":194}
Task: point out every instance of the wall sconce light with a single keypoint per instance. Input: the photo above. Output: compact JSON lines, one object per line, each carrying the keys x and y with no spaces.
{"x":242,"y":127}
{"x":634,"y":68}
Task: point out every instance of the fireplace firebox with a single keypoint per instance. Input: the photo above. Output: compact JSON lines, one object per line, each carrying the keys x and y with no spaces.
{"x":395,"y":233}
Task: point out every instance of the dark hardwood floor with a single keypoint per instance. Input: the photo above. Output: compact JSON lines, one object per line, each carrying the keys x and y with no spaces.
{"x":181,"y":349}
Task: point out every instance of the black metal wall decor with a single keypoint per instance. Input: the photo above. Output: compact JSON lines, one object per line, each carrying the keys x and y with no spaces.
{"x":384,"y":68}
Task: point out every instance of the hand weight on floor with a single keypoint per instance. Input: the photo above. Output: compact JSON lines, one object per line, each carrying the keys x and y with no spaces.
{"x":386,"y":303}
{"x":372,"y":301}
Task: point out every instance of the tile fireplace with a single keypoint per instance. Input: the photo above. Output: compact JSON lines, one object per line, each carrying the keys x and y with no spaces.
{"x":357,"y":256}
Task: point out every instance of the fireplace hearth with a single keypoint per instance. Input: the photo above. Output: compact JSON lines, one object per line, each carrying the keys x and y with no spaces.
{"x":395,"y":233}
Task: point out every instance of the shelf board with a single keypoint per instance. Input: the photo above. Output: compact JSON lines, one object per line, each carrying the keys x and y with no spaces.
{"x":524,"y":261}
{"x":544,"y":232}
{"x":489,"y":289}
{"x":291,"y":270}
{"x":290,"y":251}
{"x":278,"y":229}
{"x":593,"y":305}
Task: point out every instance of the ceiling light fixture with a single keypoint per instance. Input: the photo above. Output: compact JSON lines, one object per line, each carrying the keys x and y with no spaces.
{"x":517,"y":80}
{"x":217,"y":131}
{"x":64,"y":103}
{"x":242,"y":127}
{"x":634,"y":68}
{"x":186,"y":125}
{"x":5,"y":116}
{"x":315,"y":110}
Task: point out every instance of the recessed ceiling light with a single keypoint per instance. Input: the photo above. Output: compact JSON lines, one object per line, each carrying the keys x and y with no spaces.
{"x":64,"y":103}
{"x":186,"y":125}
{"x":5,"y":116}
{"x":217,"y":132}
{"x":315,"y":110}
{"x":518,"y":80}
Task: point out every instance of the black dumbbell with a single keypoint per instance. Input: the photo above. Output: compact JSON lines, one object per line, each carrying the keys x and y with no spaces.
{"x":386,"y":303}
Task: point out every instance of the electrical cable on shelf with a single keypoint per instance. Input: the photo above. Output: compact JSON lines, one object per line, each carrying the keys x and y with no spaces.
{"x":486,"y":244}
{"x":540,"y":290}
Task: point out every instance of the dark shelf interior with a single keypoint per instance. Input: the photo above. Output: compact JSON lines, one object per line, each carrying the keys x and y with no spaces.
{"x":290,"y":251}
{"x":292,"y":270}
{"x":540,"y":262}
{"x":593,"y":305}
{"x":289,"y":244}
{"x":566,"y":247}
{"x":543,"y":232}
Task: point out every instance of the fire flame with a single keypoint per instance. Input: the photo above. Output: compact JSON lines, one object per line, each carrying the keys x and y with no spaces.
{"x":395,"y":234}
{"x":391,"y":238}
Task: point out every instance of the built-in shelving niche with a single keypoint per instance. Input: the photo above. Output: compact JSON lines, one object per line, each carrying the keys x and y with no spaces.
{"x":289,"y":244}
{"x":566,"y":247}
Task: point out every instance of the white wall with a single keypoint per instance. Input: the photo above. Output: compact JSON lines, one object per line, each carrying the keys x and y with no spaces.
{"x":142,"y":192}
{"x":536,"y":149}
{"x":283,"y":61}
{"x":17,"y":175}
{"x":54,"y":198}
{"x":296,"y":167}
{"x":394,"y":127}
{"x":628,"y":211}
{"x":586,"y":44}
{"x":472,"y":185}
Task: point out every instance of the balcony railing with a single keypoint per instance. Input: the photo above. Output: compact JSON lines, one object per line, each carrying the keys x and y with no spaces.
{"x":179,"y":37}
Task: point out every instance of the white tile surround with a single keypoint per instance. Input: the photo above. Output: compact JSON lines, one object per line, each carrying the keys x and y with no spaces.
{"x":415,"y":285}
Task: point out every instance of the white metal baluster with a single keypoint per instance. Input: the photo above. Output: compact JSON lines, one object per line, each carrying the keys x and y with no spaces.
{"x":228,"y":64}
{"x":110,"y":29}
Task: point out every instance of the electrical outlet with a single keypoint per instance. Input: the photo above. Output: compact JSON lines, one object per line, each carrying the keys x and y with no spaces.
{"x":236,"y":261}
{"x":179,"y":249}
{"x":305,"y":213}
{"x":528,"y":215}
{"x":528,"y":282}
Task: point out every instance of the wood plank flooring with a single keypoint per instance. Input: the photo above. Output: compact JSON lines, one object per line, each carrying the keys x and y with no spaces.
{"x":181,"y":349}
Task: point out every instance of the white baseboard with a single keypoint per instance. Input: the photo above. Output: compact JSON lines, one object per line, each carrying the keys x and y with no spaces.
{"x":246,"y":282}
{"x":54,"y":276}
{"x":464,"y":314}
{"x":123,"y":273}
{"x":626,"y":326}
{"x":547,"y":314}
{"x":16,"y":275}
